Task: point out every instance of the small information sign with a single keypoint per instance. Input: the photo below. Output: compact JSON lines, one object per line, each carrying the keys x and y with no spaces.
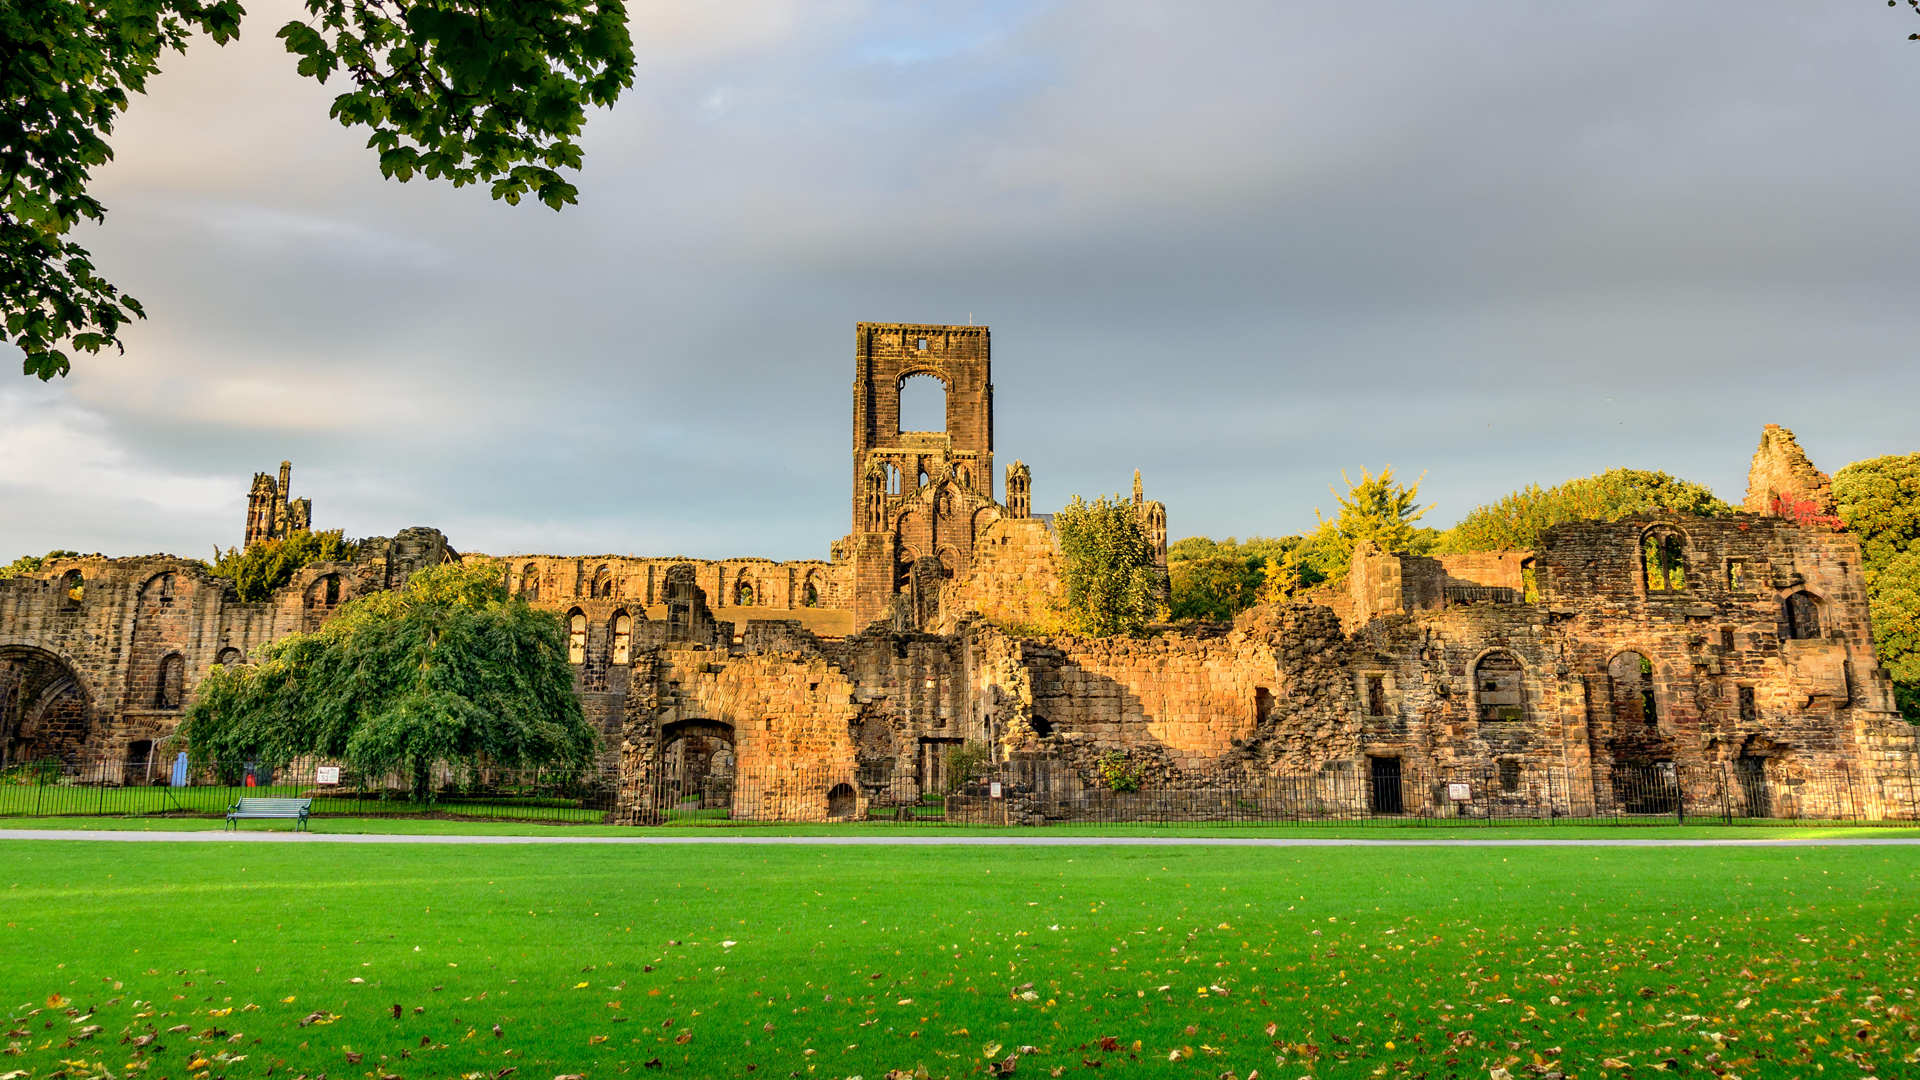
{"x":1460,"y":792}
{"x":993,"y":789}
{"x":327,"y":774}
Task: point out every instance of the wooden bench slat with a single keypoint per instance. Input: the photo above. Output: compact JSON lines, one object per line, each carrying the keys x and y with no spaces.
{"x":294,"y":809}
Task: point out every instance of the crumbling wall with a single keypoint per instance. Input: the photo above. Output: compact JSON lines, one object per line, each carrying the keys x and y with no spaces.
{"x":1014,"y":580}
{"x":1781,"y":469}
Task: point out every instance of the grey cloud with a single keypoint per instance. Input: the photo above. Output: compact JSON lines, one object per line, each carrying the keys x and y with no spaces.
{"x":1238,"y":245}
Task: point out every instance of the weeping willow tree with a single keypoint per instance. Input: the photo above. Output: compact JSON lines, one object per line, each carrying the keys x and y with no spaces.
{"x":449,"y":668}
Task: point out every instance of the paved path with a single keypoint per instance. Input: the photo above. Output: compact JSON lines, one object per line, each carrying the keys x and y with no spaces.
{"x":1034,"y":840}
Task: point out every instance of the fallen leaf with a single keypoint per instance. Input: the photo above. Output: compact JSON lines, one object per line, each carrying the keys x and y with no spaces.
{"x":353,"y":1058}
{"x":595,"y":1040}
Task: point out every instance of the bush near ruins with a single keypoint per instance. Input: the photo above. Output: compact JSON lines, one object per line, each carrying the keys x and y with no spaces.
{"x":31,"y":564}
{"x":267,"y":565}
{"x":449,"y":668}
{"x":1118,"y":771}
{"x":964,"y":762}
{"x":1879,"y":500}
{"x":1516,"y":522}
{"x":1107,"y":565}
{"x":1218,"y":579}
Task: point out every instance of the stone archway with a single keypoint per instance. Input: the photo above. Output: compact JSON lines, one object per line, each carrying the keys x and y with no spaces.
{"x":696,"y":771}
{"x":45,"y":710}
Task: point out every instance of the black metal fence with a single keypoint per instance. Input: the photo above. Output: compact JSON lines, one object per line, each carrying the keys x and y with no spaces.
{"x":159,"y":787}
{"x":1383,"y":792}
{"x":1036,"y":791}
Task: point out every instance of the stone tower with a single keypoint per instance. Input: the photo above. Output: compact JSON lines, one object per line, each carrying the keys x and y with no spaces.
{"x":918,"y":495}
{"x":271,"y":515}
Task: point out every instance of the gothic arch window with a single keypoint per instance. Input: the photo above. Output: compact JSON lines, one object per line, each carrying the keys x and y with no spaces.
{"x":1631,"y":677}
{"x":324,"y":594}
{"x":159,"y":590}
{"x":170,"y":684}
{"x":622,"y":638}
{"x":530,"y":583}
{"x":923,"y":403}
{"x":576,"y":637}
{"x":1800,"y":617}
{"x":1499,"y":693}
{"x":1663,"y":555}
{"x":964,"y":475}
{"x":810,"y":596}
{"x":743,"y":593}
{"x":230,"y":658}
{"x":893,"y":478}
{"x":603,"y":584}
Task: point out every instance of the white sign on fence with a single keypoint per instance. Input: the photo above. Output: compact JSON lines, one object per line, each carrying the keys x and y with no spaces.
{"x":327,"y":774}
{"x":993,"y":789}
{"x":1460,"y":792}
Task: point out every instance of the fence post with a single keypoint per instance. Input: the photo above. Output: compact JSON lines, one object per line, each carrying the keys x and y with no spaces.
{"x":1679,"y":794}
{"x":1726,"y":797}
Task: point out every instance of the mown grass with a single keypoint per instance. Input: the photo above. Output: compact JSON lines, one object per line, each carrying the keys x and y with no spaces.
{"x":830,"y":962}
{"x":461,"y":826}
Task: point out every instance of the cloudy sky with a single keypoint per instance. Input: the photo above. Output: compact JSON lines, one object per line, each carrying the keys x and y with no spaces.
{"x":1238,"y":245}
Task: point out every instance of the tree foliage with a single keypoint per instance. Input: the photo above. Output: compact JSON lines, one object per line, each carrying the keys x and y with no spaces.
{"x":1879,"y":500}
{"x":1218,"y":579}
{"x":1378,"y":509}
{"x":1107,"y":566}
{"x":1517,"y":521}
{"x":31,"y":564}
{"x":267,"y":565}
{"x":449,"y":668}
{"x":465,"y":90}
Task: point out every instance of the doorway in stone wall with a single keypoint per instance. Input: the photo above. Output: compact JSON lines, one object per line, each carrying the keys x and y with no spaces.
{"x":931,"y":774}
{"x":696,"y":776}
{"x":1751,"y":773}
{"x":1385,"y":775}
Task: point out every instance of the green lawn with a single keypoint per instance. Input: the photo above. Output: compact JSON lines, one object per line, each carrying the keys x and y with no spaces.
{"x":829,"y":962}
{"x":455,"y":826}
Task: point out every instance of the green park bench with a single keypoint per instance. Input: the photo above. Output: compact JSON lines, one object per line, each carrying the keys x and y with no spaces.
{"x":290,"y":809}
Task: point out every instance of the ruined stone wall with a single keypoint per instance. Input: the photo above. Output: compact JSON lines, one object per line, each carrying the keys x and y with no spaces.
{"x":1781,"y":468}
{"x":126,"y":657}
{"x":1494,"y":569}
{"x":1015,"y":578}
{"x":552,"y":580}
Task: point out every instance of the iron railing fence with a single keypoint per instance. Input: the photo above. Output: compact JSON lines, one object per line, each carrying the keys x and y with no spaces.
{"x":468,"y":789}
{"x":1024,"y":791}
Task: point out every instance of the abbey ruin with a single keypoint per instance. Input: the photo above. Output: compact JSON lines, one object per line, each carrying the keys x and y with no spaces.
{"x":1661,"y":641}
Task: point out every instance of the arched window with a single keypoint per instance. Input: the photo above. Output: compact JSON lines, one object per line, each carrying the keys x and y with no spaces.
{"x":1663,"y":553}
{"x":1631,"y":675}
{"x":230,"y":658}
{"x":159,"y":590}
{"x":923,"y":403}
{"x":73,"y":588}
{"x":171,"y":682}
{"x":622,"y":638}
{"x":965,"y":476}
{"x":1497,"y":687}
{"x":810,"y":596}
{"x":576,"y":638}
{"x":893,"y":478}
{"x":603,"y":582}
{"x":743,"y":593}
{"x":530,"y":583}
{"x":1801,"y":614}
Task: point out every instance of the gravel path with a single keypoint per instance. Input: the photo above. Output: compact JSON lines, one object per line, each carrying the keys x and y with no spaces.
{"x":1029,"y":840}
